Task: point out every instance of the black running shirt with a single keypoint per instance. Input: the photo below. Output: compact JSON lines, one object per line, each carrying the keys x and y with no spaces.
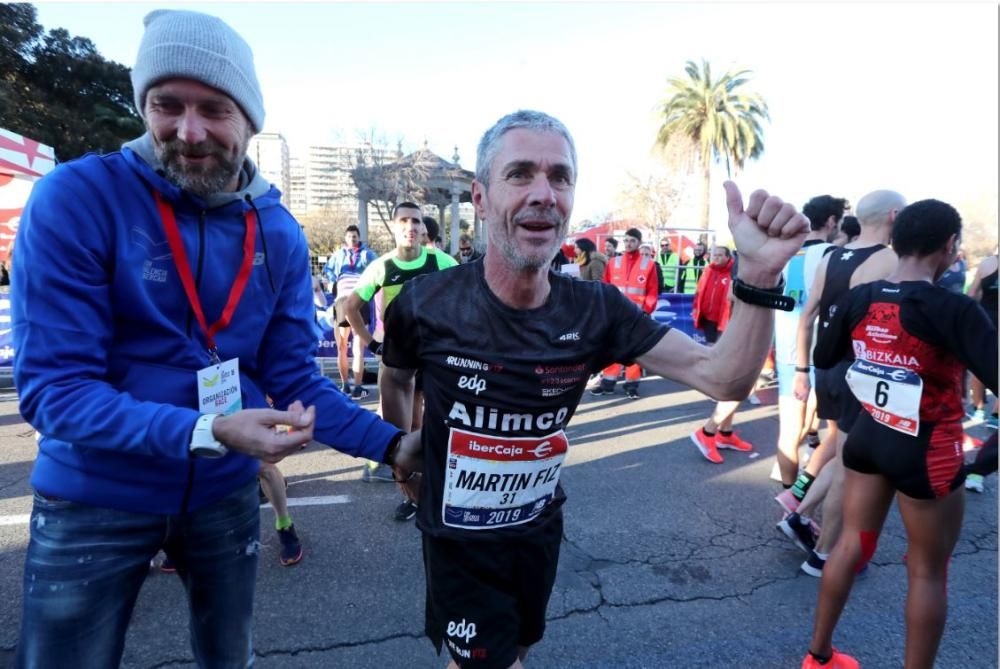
{"x":839,"y":269}
{"x":500,"y":386}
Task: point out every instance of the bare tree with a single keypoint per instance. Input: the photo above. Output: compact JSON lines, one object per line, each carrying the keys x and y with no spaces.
{"x":385,"y":177}
{"x":979,"y":227}
{"x":324,"y":229}
{"x":652,"y":197}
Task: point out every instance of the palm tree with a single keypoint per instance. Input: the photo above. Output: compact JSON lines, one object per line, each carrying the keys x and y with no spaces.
{"x":720,"y":119}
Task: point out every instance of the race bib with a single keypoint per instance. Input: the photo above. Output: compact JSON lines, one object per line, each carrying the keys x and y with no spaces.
{"x":890,"y":394}
{"x":219,"y":388}
{"x":495,"y":482}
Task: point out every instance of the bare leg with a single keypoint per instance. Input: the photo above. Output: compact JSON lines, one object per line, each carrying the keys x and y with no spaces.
{"x":978,"y":393}
{"x":932,"y":527}
{"x":825,"y":451}
{"x":867,"y":502}
{"x":825,"y":476}
{"x":273,"y":484}
{"x":833,"y":507}
{"x":417,"y":417}
{"x":791,"y":416}
{"x":342,"y":335}
{"x":722,"y":417}
{"x":811,"y":422}
{"x":359,"y":361}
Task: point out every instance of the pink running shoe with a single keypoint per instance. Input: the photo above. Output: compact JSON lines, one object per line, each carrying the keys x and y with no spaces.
{"x":788,"y":501}
{"x":838,"y":661}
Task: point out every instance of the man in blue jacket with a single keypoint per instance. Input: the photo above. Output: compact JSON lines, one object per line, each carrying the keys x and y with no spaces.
{"x":168,"y":295}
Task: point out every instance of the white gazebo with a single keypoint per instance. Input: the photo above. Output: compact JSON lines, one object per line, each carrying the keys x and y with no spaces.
{"x":425,"y":178}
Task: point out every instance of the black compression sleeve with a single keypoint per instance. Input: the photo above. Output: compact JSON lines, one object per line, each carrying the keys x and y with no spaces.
{"x":958,"y":323}
{"x":975,"y":343}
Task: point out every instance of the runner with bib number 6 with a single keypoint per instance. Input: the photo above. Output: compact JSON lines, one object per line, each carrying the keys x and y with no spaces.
{"x":911,"y":342}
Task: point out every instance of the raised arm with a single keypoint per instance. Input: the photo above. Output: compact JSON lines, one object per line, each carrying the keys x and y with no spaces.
{"x":767,"y":233}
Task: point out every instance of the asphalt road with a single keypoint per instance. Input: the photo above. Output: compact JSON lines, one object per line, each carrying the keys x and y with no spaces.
{"x":667,"y":561}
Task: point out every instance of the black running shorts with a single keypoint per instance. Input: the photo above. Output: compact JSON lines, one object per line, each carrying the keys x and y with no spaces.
{"x":834,"y":399}
{"x":486,"y":598}
{"x":927,"y":466}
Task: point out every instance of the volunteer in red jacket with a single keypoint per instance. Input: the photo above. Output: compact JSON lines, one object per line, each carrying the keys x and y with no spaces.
{"x":635,"y":276}
{"x":712,"y":300}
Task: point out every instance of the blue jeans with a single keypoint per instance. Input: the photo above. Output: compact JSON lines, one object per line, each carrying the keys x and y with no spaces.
{"x":85,"y":566}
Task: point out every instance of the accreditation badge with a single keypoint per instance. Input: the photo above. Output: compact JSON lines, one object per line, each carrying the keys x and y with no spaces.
{"x":219,"y":388}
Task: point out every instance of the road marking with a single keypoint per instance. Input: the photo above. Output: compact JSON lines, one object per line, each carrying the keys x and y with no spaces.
{"x":314,"y":501}
{"x":23,"y":519}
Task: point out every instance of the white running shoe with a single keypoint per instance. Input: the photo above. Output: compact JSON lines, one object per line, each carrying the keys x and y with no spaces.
{"x":974,"y":482}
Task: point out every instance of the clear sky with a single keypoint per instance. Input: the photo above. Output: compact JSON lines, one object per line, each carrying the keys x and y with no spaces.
{"x":862,"y":96}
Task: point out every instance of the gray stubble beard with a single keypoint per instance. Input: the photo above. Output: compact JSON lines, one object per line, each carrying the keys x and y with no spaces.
{"x":201,"y":182}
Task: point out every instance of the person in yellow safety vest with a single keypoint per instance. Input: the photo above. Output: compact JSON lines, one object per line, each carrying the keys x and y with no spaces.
{"x":669,"y":263}
{"x":635,"y":275}
{"x":692,"y":270}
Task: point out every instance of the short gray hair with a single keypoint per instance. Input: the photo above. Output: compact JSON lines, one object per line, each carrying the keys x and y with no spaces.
{"x":527,"y":119}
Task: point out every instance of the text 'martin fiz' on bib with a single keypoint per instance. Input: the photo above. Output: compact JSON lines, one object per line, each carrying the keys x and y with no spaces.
{"x":493,"y":482}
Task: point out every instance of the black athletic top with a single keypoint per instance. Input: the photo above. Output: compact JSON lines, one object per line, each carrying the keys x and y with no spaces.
{"x":908,"y":334}
{"x":839,"y":270}
{"x":500,"y":385}
{"x":989,"y":297}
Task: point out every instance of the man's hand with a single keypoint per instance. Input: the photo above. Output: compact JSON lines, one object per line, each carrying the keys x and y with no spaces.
{"x":767,"y":234}
{"x":802,"y":386}
{"x":255,"y":432}
{"x":408,"y":465}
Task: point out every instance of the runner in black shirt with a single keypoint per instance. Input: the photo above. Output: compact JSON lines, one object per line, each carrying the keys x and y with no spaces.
{"x":506,"y":348}
{"x":862,"y":261}
{"x":909,"y":342}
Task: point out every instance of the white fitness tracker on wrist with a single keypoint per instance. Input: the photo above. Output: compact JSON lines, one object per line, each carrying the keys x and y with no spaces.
{"x":203,"y":442}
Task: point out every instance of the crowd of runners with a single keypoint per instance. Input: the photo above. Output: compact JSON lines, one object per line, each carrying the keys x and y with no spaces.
{"x":157,"y":421}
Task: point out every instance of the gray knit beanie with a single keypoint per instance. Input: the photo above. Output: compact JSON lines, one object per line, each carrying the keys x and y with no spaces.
{"x":191,"y":45}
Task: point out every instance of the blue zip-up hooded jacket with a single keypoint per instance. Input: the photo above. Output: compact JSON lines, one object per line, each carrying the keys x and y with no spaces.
{"x":107,"y":345}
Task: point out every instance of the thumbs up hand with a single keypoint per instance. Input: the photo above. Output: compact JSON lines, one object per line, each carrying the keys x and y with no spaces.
{"x":767,"y":233}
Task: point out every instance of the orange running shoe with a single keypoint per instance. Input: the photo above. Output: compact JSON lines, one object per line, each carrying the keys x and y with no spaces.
{"x":838,"y":661}
{"x":706,"y":444}
{"x":732,"y":442}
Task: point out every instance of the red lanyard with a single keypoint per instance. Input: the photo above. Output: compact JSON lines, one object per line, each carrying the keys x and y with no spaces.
{"x":184,"y":270}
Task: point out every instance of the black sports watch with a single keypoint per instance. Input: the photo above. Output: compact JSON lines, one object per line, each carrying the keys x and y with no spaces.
{"x":375,"y":347}
{"x":770,"y":298}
